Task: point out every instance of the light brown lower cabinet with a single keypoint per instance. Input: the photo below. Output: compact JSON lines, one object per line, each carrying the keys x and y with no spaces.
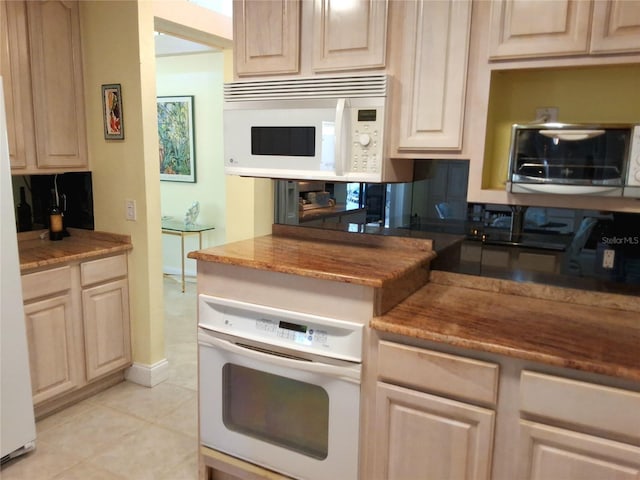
{"x":434,"y":415}
{"x":547,"y":452}
{"x":78,"y":329}
{"x":426,"y":436}
{"x":215,"y":465}
{"x":53,"y":354}
{"x":436,"y":411}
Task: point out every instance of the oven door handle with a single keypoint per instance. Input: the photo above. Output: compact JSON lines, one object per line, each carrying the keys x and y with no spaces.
{"x":349,"y":373}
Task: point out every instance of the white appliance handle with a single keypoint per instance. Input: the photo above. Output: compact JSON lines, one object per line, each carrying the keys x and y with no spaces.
{"x":350,"y":374}
{"x":339,"y":150}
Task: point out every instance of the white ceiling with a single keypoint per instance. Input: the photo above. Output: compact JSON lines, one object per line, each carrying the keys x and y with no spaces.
{"x":225,"y":7}
{"x":169,"y":45}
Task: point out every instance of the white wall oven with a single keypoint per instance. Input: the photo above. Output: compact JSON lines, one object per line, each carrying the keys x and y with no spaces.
{"x":280,"y":389}
{"x":575,"y":159}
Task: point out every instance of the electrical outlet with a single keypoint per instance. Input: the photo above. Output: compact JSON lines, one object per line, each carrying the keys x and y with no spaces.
{"x":547,"y":114}
{"x":608,"y":258}
{"x":130,"y":210}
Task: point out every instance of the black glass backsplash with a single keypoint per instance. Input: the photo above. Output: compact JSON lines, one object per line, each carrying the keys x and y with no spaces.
{"x":75,"y":193}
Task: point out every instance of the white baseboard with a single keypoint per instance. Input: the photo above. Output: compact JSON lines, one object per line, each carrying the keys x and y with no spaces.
{"x":148,"y":375}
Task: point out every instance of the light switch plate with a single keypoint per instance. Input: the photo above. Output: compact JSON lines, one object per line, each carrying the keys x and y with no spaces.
{"x":130,"y":210}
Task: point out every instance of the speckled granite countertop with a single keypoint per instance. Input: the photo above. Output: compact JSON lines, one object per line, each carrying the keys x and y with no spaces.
{"x":325,"y":254}
{"x":36,"y":252}
{"x":584,"y":330}
{"x":594,"y":332}
{"x":394,"y":267}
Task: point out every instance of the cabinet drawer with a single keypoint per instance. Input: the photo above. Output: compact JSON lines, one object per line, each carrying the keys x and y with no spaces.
{"x":46,"y":282}
{"x":437,"y":372}
{"x":582,"y":404}
{"x":96,"y":271}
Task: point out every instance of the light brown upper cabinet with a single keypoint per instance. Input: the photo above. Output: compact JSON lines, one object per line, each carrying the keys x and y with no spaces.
{"x":44,"y":91}
{"x":615,"y":26}
{"x":349,"y":34}
{"x":289,"y":37}
{"x":434,"y":52}
{"x":540,"y":28}
{"x":14,"y":66}
{"x":266,"y":36}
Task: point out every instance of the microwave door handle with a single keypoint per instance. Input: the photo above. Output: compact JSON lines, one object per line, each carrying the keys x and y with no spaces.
{"x":339,"y":150}
{"x":351,"y":374}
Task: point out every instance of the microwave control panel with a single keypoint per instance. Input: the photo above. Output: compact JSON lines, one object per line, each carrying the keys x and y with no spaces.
{"x":366,"y":145}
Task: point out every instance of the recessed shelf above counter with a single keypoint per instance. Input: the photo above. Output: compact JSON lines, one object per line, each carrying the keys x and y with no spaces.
{"x":582,"y":94}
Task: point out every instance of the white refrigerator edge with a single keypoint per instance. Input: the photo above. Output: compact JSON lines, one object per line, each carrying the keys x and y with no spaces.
{"x":17,"y":423}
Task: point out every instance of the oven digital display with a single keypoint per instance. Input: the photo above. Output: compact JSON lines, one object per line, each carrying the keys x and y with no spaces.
{"x":295,"y":332}
{"x":293,"y":326}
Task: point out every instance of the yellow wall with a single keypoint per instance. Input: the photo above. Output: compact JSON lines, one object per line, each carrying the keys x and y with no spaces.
{"x":249,"y":200}
{"x":608,"y":94}
{"x":121,"y":50}
{"x":200,"y":75}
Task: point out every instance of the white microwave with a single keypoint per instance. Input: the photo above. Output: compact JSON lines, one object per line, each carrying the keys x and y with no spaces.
{"x":320,"y":128}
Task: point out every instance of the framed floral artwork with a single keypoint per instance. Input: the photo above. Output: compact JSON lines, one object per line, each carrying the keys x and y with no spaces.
{"x":112,"y":110}
{"x":176,"y":138}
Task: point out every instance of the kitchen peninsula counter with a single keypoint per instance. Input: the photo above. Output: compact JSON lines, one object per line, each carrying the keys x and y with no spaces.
{"x":394,"y":267}
{"x":588,"y":331}
{"x":368,"y":260}
{"x":595,"y":332}
{"x":325,"y":254}
{"x":36,"y":252}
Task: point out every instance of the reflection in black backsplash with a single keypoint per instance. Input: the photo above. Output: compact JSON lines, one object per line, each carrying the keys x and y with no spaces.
{"x":74,"y":191}
{"x":576,"y":248}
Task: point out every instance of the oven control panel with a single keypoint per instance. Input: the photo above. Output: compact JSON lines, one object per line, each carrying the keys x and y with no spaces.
{"x":293,"y":332}
{"x":269,"y":325}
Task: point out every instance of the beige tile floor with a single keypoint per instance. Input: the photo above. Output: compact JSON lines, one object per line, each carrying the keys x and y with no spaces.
{"x":128,"y":431}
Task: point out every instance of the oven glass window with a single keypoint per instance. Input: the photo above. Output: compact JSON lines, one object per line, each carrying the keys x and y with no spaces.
{"x":275,"y":409}
{"x":283,"y":141}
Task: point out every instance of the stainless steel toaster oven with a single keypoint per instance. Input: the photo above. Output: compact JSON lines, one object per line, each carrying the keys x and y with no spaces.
{"x":579,"y":159}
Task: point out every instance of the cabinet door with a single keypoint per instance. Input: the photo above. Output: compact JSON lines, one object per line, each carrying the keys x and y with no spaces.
{"x":54,"y":343}
{"x":539,"y":28}
{"x":616,"y":26}
{"x":266,"y":36}
{"x":349,"y":35}
{"x":547,"y":452}
{"x":105,"y":311}
{"x":16,"y":77}
{"x":425,"y":436}
{"x":58,"y":91}
{"x":434,"y":75}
